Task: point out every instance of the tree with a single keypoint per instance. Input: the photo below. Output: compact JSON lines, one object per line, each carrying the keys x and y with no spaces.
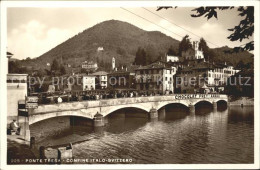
{"x":243,"y":30}
{"x":240,"y":65}
{"x":208,"y":54}
{"x":185,"y":44}
{"x":62,"y":70}
{"x":41,"y":72}
{"x":55,"y":65}
{"x":150,"y":54}
{"x":140,"y":56}
{"x":172,"y":51}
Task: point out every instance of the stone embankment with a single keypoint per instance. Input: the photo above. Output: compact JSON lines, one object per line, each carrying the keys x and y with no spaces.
{"x":241,"y":101}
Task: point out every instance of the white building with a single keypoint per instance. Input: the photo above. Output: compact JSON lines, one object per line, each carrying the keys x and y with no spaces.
{"x":113,"y":63}
{"x":88,"y":82}
{"x":100,"y":49}
{"x":204,"y":75}
{"x":172,"y":58}
{"x":89,"y":65}
{"x":193,"y":53}
{"x":16,"y":92}
{"x":101,"y":79}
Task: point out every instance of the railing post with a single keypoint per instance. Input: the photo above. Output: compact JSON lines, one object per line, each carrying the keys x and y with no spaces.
{"x":52,"y":100}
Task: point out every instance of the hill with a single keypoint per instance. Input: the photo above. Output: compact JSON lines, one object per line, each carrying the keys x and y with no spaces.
{"x":120,"y":40}
{"x":233,"y":58}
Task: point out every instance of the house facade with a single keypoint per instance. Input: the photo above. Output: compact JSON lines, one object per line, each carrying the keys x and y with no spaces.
{"x":204,"y":77}
{"x":155,"y":78}
{"x":193,"y":53}
{"x":88,"y":82}
{"x":101,"y":79}
{"x":89,"y":65}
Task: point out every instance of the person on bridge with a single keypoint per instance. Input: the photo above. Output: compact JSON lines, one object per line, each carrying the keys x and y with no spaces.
{"x":59,"y":99}
{"x":14,"y":126}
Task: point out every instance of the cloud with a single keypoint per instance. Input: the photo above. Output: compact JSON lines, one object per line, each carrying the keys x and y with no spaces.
{"x":34,"y":38}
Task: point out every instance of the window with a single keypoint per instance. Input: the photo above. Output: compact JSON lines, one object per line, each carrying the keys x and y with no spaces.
{"x":165,"y":78}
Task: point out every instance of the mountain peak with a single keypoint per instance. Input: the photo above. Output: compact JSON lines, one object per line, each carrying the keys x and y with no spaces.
{"x":119,"y":39}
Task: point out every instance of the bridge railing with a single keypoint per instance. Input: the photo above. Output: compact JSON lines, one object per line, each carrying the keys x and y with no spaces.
{"x":68,"y":98}
{"x":120,"y":101}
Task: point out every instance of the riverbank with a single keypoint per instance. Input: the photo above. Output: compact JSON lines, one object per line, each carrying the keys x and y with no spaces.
{"x":18,"y":150}
{"x":245,"y":101}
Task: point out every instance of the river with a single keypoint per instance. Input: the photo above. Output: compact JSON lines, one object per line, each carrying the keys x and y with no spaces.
{"x":225,"y":135}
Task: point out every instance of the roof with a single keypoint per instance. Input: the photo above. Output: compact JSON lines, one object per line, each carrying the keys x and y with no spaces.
{"x":119,"y":72}
{"x":8,"y":53}
{"x":99,"y":73}
{"x":198,"y":66}
{"x":204,"y":65}
{"x":98,"y":115}
{"x":89,"y":62}
{"x":155,"y":65}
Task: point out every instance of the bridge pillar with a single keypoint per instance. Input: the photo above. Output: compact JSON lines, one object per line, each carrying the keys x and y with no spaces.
{"x":215,"y":105}
{"x":99,"y":120}
{"x":153,"y":114}
{"x":106,"y":119}
{"x":25,"y":130}
{"x":24,"y":125}
{"x":192,"y":109}
{"x":161,"y":113}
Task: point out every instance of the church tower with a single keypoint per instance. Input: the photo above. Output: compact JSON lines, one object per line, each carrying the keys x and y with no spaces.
{"x":113,"y":63}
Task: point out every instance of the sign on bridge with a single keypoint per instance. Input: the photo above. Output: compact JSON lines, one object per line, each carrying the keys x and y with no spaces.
{"x":195,"y":96}
{"x":31,"y":102}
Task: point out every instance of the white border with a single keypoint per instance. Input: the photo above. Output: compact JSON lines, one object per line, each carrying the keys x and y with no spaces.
{"x":51,"y":4}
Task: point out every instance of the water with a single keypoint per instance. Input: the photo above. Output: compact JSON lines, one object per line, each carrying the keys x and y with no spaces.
{"x":222,"y":136}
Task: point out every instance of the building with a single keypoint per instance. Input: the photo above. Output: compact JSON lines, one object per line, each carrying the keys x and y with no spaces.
{"x":155,"y":78}
{"x":113,"y":63}
{"x":16,"y":92}
{"x":204,"y":78}
{"x":8,"y":55}
{"x":229,"y":71}
{"x":193,"y":53}
{"x":100,"y":49}
{"x":101,"y":79}
{"x":171,"y":58}
{"x":89,"y":66}
{"x":121,"y":80}
{"x":88,"y":82}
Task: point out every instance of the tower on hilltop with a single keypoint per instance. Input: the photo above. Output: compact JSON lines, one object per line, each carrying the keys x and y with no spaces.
{"x":113,"y":63}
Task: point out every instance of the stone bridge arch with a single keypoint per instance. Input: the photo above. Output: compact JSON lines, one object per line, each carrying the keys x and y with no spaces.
{"x":86,"y":113}
{"x":226,"y":100}
{"x":142,"y":106}
{"x":202,"y":100}
{"x":162,"y":104}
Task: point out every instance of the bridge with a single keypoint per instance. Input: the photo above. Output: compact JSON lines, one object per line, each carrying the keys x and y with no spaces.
{"x":98,"y":110}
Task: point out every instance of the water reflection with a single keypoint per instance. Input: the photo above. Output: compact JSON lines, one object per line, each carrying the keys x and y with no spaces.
{"x":241,"y":114}
{"x":210,"y":136}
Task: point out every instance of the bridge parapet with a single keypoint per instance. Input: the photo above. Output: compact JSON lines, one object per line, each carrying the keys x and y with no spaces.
{"x":70,"y":106}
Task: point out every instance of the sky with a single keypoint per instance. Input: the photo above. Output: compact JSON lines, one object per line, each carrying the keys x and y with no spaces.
{"x":33,"y":31}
